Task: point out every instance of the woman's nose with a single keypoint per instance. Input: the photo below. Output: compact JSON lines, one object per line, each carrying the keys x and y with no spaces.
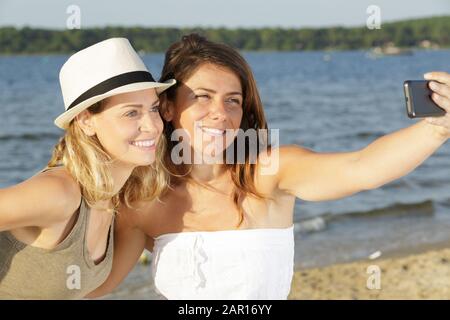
{"x":218,"y":110}
{"x":149,"y":123}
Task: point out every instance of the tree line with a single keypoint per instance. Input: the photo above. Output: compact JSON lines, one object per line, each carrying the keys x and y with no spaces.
{"x":406,"y":33}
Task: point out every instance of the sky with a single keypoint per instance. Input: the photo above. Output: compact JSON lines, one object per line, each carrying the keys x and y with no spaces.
{"x":52,"y":14}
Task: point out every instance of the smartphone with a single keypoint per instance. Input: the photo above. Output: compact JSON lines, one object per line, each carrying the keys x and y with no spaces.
{"x":418,"y":100}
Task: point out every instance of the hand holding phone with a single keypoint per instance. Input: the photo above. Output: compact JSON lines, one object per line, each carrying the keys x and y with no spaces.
{"x":418,"y":100}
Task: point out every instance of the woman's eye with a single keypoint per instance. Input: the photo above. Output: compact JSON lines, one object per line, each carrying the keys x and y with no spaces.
{"x":235,"y":101}
{"x":131,"y":114}
{"x":155,"y":109}
{"x":202,"y":96}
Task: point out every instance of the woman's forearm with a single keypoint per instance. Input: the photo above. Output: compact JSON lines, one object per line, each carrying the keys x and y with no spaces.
{"x":397,"y":154}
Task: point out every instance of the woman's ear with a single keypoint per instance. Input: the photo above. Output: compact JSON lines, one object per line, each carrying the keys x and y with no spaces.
{"x":168,"y":110}
{"x":86,"y":122}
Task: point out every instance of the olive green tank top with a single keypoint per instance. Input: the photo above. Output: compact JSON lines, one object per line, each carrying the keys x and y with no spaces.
{"x":64,"y":272}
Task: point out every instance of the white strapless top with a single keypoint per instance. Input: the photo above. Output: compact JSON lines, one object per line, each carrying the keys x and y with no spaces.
{"x":230,"y":264}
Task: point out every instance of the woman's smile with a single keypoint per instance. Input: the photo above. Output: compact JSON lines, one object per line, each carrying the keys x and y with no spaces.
{"x":144,"y":145}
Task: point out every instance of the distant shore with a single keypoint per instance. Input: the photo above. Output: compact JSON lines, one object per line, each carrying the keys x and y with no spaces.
{"x":426,"y":32}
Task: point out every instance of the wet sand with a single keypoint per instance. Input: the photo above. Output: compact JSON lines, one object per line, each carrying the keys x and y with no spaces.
{"x":416,"y":276}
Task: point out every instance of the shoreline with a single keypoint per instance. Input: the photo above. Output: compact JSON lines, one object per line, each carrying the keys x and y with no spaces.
{"x":417,"y":274}
{"x":417,"y":250}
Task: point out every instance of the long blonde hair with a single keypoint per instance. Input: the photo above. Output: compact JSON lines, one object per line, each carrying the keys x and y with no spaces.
{"x":88,"y":163}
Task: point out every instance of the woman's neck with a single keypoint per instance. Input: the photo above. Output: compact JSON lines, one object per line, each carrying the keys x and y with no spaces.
{"x":120,"y":174}
{"x":208,"y":173}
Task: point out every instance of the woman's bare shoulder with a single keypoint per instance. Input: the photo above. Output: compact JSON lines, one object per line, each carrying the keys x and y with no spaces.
{"x":48,"y":197}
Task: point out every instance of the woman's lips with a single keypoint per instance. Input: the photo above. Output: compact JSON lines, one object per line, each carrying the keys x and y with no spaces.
{"x":144,"y":144}
{"x":213,"y":131}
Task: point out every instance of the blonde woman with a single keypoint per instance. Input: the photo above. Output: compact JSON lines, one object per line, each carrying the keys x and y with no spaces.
{"x":56,"y":228}
{"x":225,"y":229}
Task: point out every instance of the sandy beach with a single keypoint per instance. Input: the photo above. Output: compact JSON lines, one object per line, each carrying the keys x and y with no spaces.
{"x":416,"y":276}
{"x":424,"y":275}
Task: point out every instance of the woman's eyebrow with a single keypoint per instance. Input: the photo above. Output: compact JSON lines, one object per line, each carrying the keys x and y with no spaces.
{"x":128,"y":105}
{"x":206,"y":89}
{"x":138,"y":105}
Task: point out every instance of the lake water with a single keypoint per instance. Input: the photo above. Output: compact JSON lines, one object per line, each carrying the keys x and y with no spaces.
{"x":327,"y":101}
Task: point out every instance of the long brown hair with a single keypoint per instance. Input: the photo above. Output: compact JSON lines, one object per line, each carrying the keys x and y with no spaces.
{"x":182,"y":59}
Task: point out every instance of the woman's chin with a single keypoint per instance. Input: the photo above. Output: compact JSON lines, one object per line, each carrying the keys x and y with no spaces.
{"x":210,"y":158}
{"x":141,"y":162}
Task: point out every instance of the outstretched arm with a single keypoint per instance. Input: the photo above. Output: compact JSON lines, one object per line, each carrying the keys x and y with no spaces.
{"x":326,"y":176}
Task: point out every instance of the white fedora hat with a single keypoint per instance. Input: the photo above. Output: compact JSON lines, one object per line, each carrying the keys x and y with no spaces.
{"x":102,"y":70}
